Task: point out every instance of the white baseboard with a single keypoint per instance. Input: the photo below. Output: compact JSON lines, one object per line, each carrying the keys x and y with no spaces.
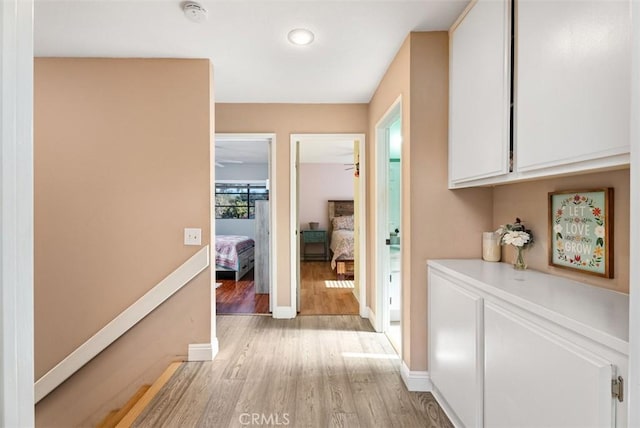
{"x":202,"y":351}
{"x":364,"y":312}
{"x":284,"y":312}
{"x":415,"y":380}
{"x":372,"y":318}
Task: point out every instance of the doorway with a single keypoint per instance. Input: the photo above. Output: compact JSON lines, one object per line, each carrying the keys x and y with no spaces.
{"x":242,"y":221}
{"x":327,"y":217}
{"x":388,"y":245}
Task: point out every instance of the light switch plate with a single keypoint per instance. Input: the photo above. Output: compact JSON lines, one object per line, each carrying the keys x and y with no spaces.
{"x":192,"y":236}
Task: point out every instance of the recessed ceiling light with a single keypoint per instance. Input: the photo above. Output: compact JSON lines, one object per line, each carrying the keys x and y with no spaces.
{"x":300,"y":36}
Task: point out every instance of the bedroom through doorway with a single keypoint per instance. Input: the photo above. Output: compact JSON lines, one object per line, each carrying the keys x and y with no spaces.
{"x":242,"y":201}
{"x":327,"y":191}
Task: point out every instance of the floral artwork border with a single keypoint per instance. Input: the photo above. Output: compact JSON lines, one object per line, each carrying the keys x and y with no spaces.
{"x":581,"y":231}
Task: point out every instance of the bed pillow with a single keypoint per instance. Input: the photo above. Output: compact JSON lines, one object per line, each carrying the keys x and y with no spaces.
{"x":342,"y":222}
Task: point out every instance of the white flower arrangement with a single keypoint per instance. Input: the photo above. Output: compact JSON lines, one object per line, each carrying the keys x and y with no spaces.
{"x":516,"y":238}
{"x":515,"y":234}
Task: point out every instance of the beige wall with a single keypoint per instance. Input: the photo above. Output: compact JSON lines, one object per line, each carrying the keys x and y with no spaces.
{"x":529,"y":201}
{"x":394,"y":84}
{"x":437,"y":222}
{"x":121,"y":167}
{"x":284,"y":120}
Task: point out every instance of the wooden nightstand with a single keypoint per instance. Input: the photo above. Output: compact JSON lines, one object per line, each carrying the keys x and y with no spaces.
{"x":315,"y":237}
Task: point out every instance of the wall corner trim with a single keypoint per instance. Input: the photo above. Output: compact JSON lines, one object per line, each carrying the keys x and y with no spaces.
{"x":284,"y":312}
{"x":416,"y":380}
{"x":202,"y":351}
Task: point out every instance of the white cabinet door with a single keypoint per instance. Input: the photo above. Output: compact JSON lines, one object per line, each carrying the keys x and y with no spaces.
{"x":455,"y":348}
{"x":534,"y":378}
{"x":479,"y":92}
{"x":573,"y":82}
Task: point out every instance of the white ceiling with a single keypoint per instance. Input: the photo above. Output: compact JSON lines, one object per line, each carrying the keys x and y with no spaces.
{"x":249,"y":152}
{"x":326,"y":150}
{"x":312,"y":150}
{"x":356,"y":41}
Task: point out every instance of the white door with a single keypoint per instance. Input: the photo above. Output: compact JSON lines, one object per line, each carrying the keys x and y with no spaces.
{"x":388,"y":218}
{"x":295,"y":189}
{"x":573,"y":81}
{"x":394,"y":186}
{"x":479,"y":93}
{"x":455,"y":347}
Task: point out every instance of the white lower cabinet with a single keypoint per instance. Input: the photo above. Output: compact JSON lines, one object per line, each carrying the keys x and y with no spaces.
{"x":455,"y":352}
{"x":525,"y":350}
{"x":534,"y":378}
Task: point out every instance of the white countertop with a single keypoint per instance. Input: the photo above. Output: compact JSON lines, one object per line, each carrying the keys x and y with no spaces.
{"x":597,"y":313}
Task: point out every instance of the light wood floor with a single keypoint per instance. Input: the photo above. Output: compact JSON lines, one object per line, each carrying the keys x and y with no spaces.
{"x":317,"y":299}
{"x":310,"y":372}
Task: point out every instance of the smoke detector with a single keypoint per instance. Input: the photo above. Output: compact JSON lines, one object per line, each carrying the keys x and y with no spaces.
{"x":194,"y":12}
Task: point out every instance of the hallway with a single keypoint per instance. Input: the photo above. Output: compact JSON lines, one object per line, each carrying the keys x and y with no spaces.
{"x":308,"y":372}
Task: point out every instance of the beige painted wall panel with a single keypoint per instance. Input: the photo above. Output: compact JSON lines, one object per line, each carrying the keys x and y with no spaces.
{"x":284,"y":120}
{"x":444,"y":223}
{"x":529,"y":202}
{"x":394,"y":84}
{"x":433,"y":216}
{"x":121,"y":167}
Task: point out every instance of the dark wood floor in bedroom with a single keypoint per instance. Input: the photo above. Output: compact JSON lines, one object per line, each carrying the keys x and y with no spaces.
{"x":239,"y":297}
{"x":315,"y":297}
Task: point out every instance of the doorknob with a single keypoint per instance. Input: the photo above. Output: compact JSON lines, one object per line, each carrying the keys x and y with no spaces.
{"x":387,"y":241}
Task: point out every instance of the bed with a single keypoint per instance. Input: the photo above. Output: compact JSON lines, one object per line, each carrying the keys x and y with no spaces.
{"x":234,"y":253}
{"x":341,"y":237}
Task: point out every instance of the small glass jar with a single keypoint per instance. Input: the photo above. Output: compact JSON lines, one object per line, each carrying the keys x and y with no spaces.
{"x":491,"y":250}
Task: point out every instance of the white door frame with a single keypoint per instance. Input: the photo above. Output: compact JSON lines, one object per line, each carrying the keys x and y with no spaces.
{"x":634,"y":234}
{"x":293,"y":216}
{"x":16,"y":215}
{"x":380,"y":218}
{"x":273,"y":230}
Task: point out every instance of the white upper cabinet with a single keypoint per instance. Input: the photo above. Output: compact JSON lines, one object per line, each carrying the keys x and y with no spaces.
{"x":480,"y":92}
{"x":571,"y":80}
{"x":572,"y":83}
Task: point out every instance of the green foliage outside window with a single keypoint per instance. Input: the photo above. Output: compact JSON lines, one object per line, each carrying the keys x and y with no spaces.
{"x":237,"y":201}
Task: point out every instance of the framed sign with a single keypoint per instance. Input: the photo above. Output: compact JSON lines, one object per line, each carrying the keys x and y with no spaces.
{"x":581,"y":231}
